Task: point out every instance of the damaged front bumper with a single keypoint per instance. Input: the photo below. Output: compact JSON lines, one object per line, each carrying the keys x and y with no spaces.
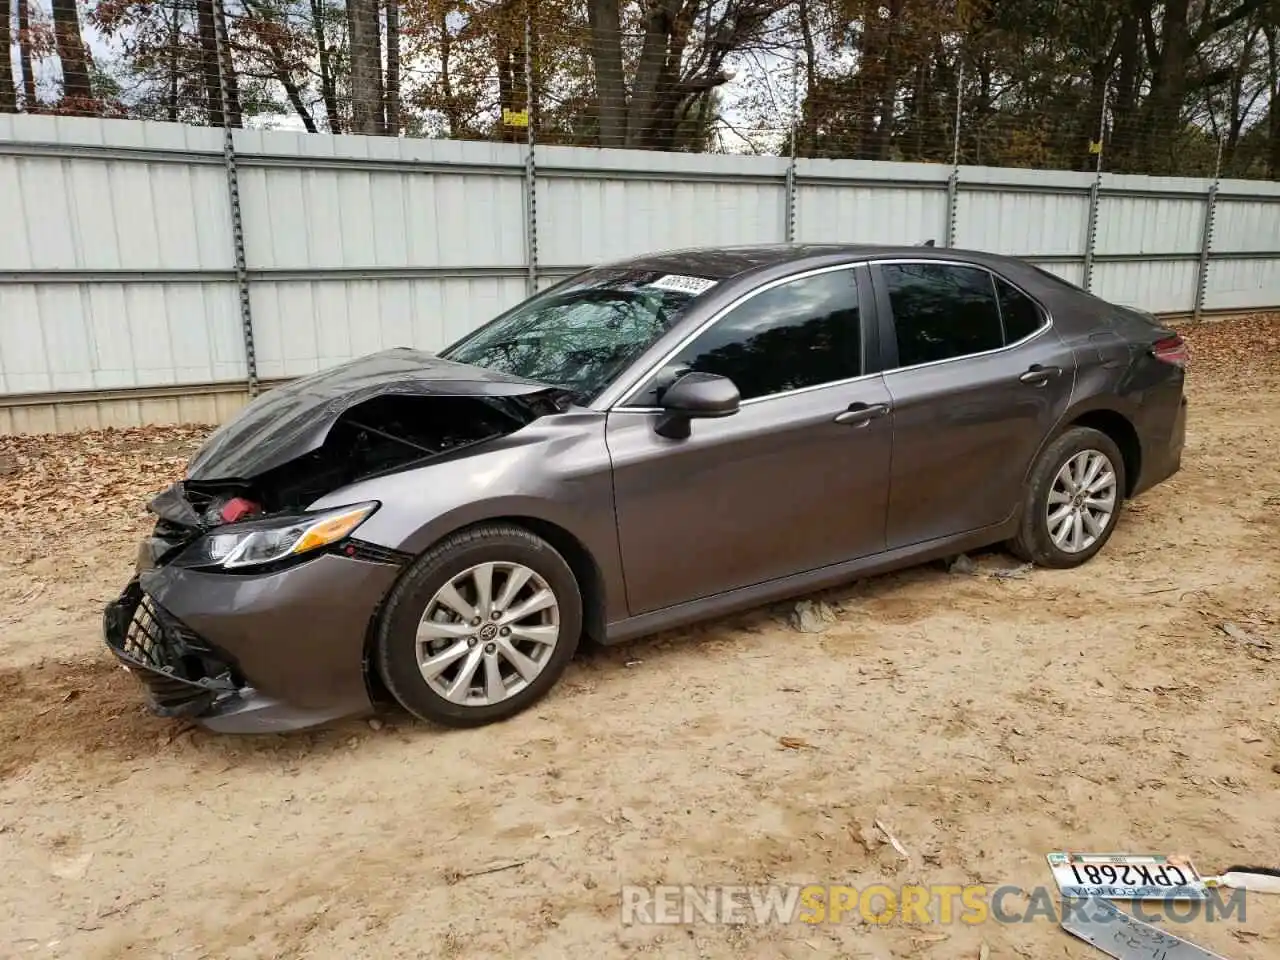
{"x":252,"y":653}
{"x":182,"y":674}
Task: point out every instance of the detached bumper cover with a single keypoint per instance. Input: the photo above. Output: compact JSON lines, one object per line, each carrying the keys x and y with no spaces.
{"x":250,"y":654}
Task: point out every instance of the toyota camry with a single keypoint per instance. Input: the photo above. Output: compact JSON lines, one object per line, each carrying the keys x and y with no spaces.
{"x":643,"y":445}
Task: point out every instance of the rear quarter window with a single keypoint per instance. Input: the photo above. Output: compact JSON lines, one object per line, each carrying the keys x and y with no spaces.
{"x":1022,"y":316}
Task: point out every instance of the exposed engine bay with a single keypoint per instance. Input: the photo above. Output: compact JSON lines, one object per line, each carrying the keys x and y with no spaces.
{"x":382,"y":435}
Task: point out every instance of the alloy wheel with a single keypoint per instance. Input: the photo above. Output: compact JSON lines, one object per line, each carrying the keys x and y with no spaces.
{"x":1082,"y":501}
{"x":488,"y":633}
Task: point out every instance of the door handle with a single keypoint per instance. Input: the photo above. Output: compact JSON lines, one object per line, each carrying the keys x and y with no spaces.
{"x":1038,"y":376}
{"x":860,"y":414}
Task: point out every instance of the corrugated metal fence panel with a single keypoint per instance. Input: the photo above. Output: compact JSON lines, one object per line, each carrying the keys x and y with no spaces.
{"x":86,"y":212}
{"x":1151,"y":224}
{"x":1246,"y":225}
{"x":663,"y":202}
{"x":908,"y":206}
{"x":1161,"y":286}
{"x":1022,"y":212}
{"x":1242,"y":284}
{"x":304,"y":326}
{"x":95,"y":336}
{"x":384,"y":214}
{"x":66,"y":213}
{"x":1026,"y":224}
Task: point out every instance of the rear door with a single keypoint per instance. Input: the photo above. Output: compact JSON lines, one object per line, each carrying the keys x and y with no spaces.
{"x":977,"y":378}
{"x":795,"y":480}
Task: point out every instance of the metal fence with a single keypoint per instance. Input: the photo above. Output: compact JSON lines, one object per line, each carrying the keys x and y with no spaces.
{"x":154,"y":272}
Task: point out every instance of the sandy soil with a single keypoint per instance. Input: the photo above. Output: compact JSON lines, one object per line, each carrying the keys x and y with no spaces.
{"x":984,"y":721}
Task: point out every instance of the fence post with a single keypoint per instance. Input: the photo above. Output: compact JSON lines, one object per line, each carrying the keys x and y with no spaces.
{"x":953,"y":181}
{"x":1206,"y":236}
{"x":1095,"y":191}
{"x":223,"y":52}
{"x":791,"y":164}
{"x":530,"y":168}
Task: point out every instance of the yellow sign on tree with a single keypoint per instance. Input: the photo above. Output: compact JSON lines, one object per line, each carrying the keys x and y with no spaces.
{"x":1095,"y":146}
{"x":515,"y":118}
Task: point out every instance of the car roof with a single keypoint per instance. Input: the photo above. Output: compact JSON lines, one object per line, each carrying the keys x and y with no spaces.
{"x":724,"y":263}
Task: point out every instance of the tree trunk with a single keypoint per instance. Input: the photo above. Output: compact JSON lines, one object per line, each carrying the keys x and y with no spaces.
{"x":1125,"y":138}
{"x":452,"y":112}
{"x":392,"y":123}
{"x":606,"y":57}
{"x":887,"y":88}
{"x":366,"y":67}
{"x":209,"y":73}
{"x":868,"y":88}
{"x":642,"y":108}
{"x":8,"y":93}
{"x":211,"y":70}
{"x":77,"y":92}
{"x":172,"y":105}
{"x":328,"y":83}
{"x":1273,"y":120}
{"x":806,"y":135}
{"x":1168,"y":82}
{"x":293,"y":93}
{"x":29,"y":102}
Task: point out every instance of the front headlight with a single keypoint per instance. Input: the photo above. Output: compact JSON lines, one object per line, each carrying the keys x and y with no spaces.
{"x":258,"y":542}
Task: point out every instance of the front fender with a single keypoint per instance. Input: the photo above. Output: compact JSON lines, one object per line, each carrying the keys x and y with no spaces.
{"x":556,"y":471}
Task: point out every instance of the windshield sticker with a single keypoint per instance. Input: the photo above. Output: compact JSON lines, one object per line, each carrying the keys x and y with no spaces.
{"x":693,"y":285}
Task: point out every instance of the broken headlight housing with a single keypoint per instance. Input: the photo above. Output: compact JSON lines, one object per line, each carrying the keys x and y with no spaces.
{"x":263,"y":543}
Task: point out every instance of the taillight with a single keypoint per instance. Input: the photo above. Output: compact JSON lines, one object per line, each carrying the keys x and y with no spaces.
{"x":1171,"y":350}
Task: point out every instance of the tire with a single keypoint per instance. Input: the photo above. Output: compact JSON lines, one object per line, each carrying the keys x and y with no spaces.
{"x":1034,"y":542}
{"x":453,"y":561}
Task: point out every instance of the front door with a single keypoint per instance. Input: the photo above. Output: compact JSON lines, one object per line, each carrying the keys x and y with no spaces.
{"x":796,"y":479}
{"x":979,"y":380}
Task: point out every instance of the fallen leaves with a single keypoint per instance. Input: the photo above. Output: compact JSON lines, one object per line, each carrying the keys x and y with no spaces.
{"x":1231,"y":351}
{"x":85,"y":481}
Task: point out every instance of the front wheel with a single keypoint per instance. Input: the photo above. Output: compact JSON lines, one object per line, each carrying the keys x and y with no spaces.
{"x":480,"y":627}
{"x":1073,"y":500}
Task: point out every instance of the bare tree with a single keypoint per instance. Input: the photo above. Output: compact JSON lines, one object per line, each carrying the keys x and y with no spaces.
{"x":683,"y":49}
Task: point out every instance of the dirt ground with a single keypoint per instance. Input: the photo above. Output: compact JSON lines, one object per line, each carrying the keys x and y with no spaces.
{"x":984,"y":721}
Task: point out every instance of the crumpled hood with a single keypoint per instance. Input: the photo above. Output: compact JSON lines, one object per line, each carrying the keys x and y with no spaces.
{"x":289,"y":421}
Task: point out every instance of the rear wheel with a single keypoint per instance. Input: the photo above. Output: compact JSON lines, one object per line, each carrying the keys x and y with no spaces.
{"x":480,"y":627}
{"x":1073,"y":500}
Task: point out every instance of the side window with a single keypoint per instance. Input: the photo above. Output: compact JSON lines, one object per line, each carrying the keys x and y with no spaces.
{"x":799,"y":334}
{"x":941,"y":311}
{"x":1022,"y":316}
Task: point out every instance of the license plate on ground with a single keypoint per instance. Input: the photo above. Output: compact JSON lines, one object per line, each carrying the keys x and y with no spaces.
{"x":1126,"y":876}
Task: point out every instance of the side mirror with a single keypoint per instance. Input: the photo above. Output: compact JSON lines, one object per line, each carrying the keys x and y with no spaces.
{"x":696,"y":396}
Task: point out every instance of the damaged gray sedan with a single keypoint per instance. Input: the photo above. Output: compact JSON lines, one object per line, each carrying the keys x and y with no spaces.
{"x":643,"y":445}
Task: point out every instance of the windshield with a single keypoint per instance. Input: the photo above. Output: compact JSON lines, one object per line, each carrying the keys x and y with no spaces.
{"x":581,"y":334}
